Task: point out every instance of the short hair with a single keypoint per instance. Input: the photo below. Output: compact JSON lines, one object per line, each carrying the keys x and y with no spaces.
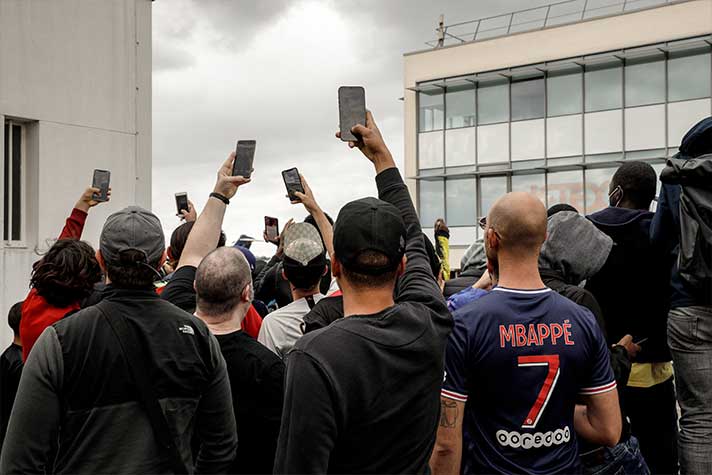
{"x":558,"y":208}
{"x":638,"y":181}
{"x":304,"y":277}
{"x":67,"y":273}
{"x":180,"y":236}
{"x":132,"y":271}
{"x":220,"y":279}
{"x":13,"y":318}
{"x":372,"y":259}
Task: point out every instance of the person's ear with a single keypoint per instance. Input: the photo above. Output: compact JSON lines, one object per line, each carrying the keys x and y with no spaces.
{"x":336,"y":268}
{"x":401,"y":267}
{"x":100,"y":260}
{"x":246,"y":293}
{"x":491,"y":238}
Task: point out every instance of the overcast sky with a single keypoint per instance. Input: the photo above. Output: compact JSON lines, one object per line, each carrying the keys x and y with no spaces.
{"x":269,"y":70}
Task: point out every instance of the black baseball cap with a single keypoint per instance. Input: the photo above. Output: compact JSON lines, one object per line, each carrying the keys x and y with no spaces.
{"x":369,"y":224}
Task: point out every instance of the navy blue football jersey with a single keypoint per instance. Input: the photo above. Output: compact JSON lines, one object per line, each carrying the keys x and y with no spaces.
{"x":519,"y":360}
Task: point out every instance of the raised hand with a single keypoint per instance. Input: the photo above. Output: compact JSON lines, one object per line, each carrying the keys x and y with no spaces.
{"x":371,"y":144}
{"x":306,"y":198}
{"x":227,"y":184}
{"x":188,"y":215}
{"x":87,"y":200}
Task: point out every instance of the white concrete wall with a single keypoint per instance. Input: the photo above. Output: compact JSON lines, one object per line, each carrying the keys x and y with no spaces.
{"x":80,"y":72}
{"x":665,"y":23}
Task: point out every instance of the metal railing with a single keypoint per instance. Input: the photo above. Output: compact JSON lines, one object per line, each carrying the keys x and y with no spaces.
{"x":568,"y":11}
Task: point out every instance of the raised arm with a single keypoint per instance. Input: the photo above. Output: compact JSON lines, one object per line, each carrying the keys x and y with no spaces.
{"x":325,"y":227}
{"x":74,"y":226}
{"x":204,"y":236}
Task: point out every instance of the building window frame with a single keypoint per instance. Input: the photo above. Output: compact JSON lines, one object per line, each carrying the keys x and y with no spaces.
{"x":14,"y":216}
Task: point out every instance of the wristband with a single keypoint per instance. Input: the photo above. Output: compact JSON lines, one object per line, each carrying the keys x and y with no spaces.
{"x":220,"y":197}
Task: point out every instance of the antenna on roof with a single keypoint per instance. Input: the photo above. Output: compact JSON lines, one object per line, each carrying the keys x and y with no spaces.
{"x":441,"y":31}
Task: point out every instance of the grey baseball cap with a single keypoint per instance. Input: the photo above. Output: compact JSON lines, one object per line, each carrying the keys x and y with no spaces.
{"x":302,"y":243}
{"x":132,"y":228}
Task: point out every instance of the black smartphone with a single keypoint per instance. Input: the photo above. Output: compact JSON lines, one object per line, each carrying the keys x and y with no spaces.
{"x":352,"y":110}
{"x":244,"y":157}
{"x":101,"y":180}
{"x":293,"y":182}
{"x":182,"y":202}
{"x":271,"y":228}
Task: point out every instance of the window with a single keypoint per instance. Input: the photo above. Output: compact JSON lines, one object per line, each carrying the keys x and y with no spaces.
{"x":528,"y":139}
{"x":431,"y":110}
{"x":604,"y":88}
{"x":564,"y":93}
{"x":491,"y":189}
{"x":460,"y":146}
{"x":564,"y":136}
{"x":604,"y":132}
{"x":13,"y":181}
{"x":645,"y":127}
{"x":493,"y":102}
{"x":461,"y":199}
{"x":460,"y":107}
{"x":597,"y":184}
{"x":682,"y":116}
{"x":566,"y":187}
{"x":492,"y":143}
{"x":430,"y":150}
{"x":431,"y":201}
{"x":644,"y":82}
{"x":688,"y":76}
{"x":528,"y":99}
{"x":533,"y":184}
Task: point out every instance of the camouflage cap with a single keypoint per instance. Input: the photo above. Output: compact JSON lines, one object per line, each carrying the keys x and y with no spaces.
{"x":302,"y":243}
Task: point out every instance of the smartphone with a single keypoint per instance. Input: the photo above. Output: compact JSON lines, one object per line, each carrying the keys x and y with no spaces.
{"x":101,"y":180}
{"x":271,"y":228}
{"x":244,"y":157}
{"x":352,"y":110}
{"x":293,"y":182}
{"x":182,"y":202}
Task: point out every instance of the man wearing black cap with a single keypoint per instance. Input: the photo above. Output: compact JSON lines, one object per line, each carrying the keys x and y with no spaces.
{"x":362,"y":394}
{"x":77,"y":408}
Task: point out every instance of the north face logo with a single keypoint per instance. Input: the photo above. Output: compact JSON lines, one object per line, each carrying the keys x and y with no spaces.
{"x":187,"y":329}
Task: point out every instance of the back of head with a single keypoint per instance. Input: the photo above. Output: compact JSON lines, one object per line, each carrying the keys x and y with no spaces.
{"x":638,"y":182}
{"x":67,"y":273}
{"x":304,"y":256}
{"x":558,"y":208}
{"x":132,"y":246}
{"x":519,"y":220}
{"x":369,"y":243}
{"x":180,"y":237}
{"x":698,"y":140}
{"x":220,"y":280}
{"x":13,"y":318}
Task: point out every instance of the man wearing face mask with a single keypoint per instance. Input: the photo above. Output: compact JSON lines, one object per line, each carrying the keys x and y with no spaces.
{"x":633,"y":290}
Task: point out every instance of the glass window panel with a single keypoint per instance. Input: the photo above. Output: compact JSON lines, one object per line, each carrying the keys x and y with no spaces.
{"x":460,"y":107}
{"x":493,"y":103}
{"x":16,"y":182}
{"x":460,"y":146}
{"x":564,"y":94}
{"x":564,"y":136}
{"x":604,"y":88}
{"x":430,"y":150}
{"x":491,"y":189}
{"x":431,"y":110}
{"x":6,"y":185}
{"x":461,"y":199}
{"x":565,"y":187}
{"x":644,"y":83}
{"x":432,"y":204}
{"x":528,"y":139}
{"x":462,"y":236}
{"x":493,"y":143}
{"x":604,"y":132}
{"x":597,"y":183}
{"x":682,"y":116}
{"x":689,"y":77}
{"x":645,"y":127}
{"x":534,"y":184}
{"x":528,"y":99}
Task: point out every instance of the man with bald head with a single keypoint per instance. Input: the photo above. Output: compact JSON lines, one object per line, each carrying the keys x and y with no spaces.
{"x":223,"y":283}
{"x":518,"y":362}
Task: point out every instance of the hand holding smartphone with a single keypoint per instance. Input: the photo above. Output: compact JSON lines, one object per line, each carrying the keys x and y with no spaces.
{"x":352,"y":110}
{"x":182,"y":203}
{"x":271,"y":229}
{"x":244,"y":158}
{"x":101,"y":181}
{"x":293,"y":183}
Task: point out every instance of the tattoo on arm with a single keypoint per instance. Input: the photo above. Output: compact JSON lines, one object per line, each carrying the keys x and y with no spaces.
{"x":448,"y":413}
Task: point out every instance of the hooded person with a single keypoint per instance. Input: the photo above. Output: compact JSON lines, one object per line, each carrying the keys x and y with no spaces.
{"x":472,"y":265}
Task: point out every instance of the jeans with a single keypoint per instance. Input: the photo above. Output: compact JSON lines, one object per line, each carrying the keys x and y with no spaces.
{"x":690,"y":340}
{"x":623,"y":459}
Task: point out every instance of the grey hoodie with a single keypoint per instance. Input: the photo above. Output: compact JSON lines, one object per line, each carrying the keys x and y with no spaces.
{"x":574,"y":247}
{"x":474,"y":258}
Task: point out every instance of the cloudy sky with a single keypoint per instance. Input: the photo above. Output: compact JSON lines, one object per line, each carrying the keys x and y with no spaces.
{"x":269,"y":70}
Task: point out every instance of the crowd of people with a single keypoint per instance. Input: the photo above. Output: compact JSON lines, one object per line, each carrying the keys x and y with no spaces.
{"x":566,"y":343}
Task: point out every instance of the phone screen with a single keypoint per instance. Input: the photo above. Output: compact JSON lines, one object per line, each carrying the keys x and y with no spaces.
{"x":293,"y":182}
{"x":244,"y":157}
{"x":352,"y":110}
{"x":182,"y":202}
{"x":271,"y":227}
{"x":101,"y":180}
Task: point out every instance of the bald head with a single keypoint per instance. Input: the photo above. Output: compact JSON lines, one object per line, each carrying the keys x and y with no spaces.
{"x":220,"y":281}
{"x":520,"y":221}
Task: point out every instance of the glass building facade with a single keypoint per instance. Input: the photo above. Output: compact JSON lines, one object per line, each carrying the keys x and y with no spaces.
{"x":558,"y":130}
